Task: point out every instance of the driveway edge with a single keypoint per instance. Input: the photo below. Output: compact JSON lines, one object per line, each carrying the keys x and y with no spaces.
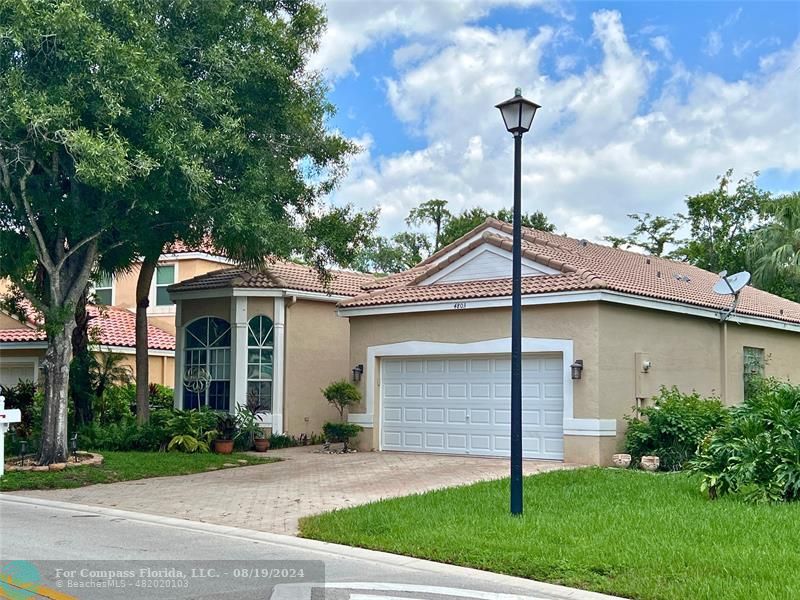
{"x":340,"y":551}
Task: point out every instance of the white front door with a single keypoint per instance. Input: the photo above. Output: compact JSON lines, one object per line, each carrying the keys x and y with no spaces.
{"x":462,"y":405}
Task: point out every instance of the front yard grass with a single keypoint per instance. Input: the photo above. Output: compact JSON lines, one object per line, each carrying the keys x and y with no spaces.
{"x":632,"y":534}
{"x":125,"y":466}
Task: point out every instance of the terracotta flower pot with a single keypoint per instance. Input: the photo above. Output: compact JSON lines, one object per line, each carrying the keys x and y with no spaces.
{"x":223,"y":446}
{"x":261,"y":444}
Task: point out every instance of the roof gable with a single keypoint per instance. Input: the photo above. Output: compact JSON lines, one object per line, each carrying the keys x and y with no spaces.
{"x":484,"y":262}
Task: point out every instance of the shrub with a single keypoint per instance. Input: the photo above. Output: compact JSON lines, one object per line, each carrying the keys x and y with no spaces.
{"x":341,"y":432}
{"x":114,"y":404}
{"x":127,"y":434}
{"x":756,"y":454}
{"x":192,"y":430}
{"x":342,"y":394}
{"x":673,"y":427}
{"x":161,"y":397}
{"x":21,"y":396}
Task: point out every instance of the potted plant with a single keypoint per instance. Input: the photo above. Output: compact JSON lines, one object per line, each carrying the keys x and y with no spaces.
{"x":248,"y":429}
{"x":342,"y":394}
{"x":226,"y":433}
{"x":261,"y":441}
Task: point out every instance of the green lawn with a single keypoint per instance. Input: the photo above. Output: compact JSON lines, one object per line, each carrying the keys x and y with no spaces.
{"x":628,"y":533}
{"x":125,"y":466}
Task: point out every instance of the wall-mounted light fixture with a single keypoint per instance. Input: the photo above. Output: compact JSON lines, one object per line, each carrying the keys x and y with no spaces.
{"x":576,"y":368}
{"x":646,"y":365}
{"x":358,"y":371}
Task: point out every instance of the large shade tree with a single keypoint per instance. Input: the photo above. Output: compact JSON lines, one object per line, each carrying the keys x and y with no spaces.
{"x":127,"y":124}
{"x":774,"y":251}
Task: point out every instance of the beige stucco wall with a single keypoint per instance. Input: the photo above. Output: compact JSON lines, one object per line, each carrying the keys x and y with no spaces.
{"x":261,"y":306}
{"x":576,"y":322}
{"x":162,"y":368}
{"x":206,"y":307}
{"x":685,"y":351}
{"x":612,"y":340}
{"x":317,"y":350}
{"x":125,"y":288}
{"x":9,"y":322}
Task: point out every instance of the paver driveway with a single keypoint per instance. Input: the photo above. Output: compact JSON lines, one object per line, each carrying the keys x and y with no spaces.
{"x":274,"y":496}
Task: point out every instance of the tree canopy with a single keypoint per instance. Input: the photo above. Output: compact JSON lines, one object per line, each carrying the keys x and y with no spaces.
{"x":129,"y":123}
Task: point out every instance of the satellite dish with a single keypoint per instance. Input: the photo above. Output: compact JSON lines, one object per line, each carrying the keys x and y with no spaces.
{"x":731,"y":286}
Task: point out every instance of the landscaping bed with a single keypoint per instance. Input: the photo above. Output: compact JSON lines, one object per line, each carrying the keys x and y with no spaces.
{"x":632,"y":534}
{"x":127,"y":466}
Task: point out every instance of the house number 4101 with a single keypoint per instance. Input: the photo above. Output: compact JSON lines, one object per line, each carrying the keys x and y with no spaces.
{"x":460,"y":305}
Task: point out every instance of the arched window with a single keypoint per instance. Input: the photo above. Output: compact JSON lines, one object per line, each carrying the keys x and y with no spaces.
{"x":207,"y":364}
{"x":260,"y":343}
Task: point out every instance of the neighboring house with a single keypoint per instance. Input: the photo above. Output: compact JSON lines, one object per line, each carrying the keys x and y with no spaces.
{"x":271,"y":338}
{"x":178,"y":263}
{"x":23,"y":344}
{"x":603,"y":329}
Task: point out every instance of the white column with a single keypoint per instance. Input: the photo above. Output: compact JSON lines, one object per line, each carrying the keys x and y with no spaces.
{"x":238,"y":352}
{"x":179,"y":335}
{"x":277,"y":366}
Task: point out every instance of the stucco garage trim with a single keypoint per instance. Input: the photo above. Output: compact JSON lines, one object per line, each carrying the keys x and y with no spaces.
{"x":572,"y":426}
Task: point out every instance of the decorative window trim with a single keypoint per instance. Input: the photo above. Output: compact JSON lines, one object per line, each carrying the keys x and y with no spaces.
{"x":208,"y":365}
{"x":264,"y":342}
{"x":95,"y":288}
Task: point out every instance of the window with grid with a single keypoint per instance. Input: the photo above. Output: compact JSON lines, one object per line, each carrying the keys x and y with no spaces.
{"x":752,"y":368}
{"x":103,"y":290}
{"x":207,"y":350}
{"x":165,"y":276}
{"x":260,"y":345}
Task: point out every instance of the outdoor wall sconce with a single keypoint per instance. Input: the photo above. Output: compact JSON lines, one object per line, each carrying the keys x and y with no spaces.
{"x":646,"y":365}
{"x":577,"y":368}
{"x":358,"y":371}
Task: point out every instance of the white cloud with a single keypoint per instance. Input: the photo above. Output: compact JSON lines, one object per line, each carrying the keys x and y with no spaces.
{"x":713,"y":43}
{"x":599,"y":147}
{"x":661,"y":43}
{"x":355,"y":25}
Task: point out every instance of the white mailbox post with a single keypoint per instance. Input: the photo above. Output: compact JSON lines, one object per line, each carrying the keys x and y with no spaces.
{"x":7,"y":417}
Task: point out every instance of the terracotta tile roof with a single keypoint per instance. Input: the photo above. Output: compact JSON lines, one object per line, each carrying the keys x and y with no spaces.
{"x":583,"y":265}
{"x":278,"y":274}
{"x":108,"y":325}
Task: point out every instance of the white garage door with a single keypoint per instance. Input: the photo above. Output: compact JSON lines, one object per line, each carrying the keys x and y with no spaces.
{"x":462,"y":405}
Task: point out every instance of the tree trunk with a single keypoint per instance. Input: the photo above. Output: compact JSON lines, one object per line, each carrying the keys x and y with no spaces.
{"x":56,"y":376}
{"x":143,"y":283}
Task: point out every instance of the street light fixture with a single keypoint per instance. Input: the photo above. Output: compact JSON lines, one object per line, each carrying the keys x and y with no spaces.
{"x":518,"y":116}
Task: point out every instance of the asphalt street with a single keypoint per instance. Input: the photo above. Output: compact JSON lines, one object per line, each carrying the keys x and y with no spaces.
{"x":57,"y":550}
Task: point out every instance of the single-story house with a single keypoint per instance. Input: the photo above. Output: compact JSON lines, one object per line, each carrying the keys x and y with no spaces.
{"x":270,"y":337}
{"x":603,"y":329}
{"x":23,"y":344}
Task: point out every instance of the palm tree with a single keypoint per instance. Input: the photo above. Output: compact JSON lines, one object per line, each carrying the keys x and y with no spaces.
{"x":775,"y":250}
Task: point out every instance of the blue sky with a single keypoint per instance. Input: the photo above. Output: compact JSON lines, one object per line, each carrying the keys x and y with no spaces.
{"x":644,"y":102}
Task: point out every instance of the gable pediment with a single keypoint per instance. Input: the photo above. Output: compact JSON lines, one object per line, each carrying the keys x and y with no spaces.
{"x":485,"y":262}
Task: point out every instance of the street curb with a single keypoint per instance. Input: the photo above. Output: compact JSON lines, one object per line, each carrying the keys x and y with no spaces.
{"x":340,"y":551}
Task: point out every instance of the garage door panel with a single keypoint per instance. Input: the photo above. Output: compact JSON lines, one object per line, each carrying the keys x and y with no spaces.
{"x":462,"y":405}
{"x":480,"y":391}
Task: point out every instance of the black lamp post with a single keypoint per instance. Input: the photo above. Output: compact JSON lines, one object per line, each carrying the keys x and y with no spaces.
{"x":518,"y":115}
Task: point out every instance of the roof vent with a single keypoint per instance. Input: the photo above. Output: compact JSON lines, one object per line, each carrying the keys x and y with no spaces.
{"x":648,"y":261}
{"x":584,"y":243}
{"x":680,"y":277}
{"x":658,"y":274}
